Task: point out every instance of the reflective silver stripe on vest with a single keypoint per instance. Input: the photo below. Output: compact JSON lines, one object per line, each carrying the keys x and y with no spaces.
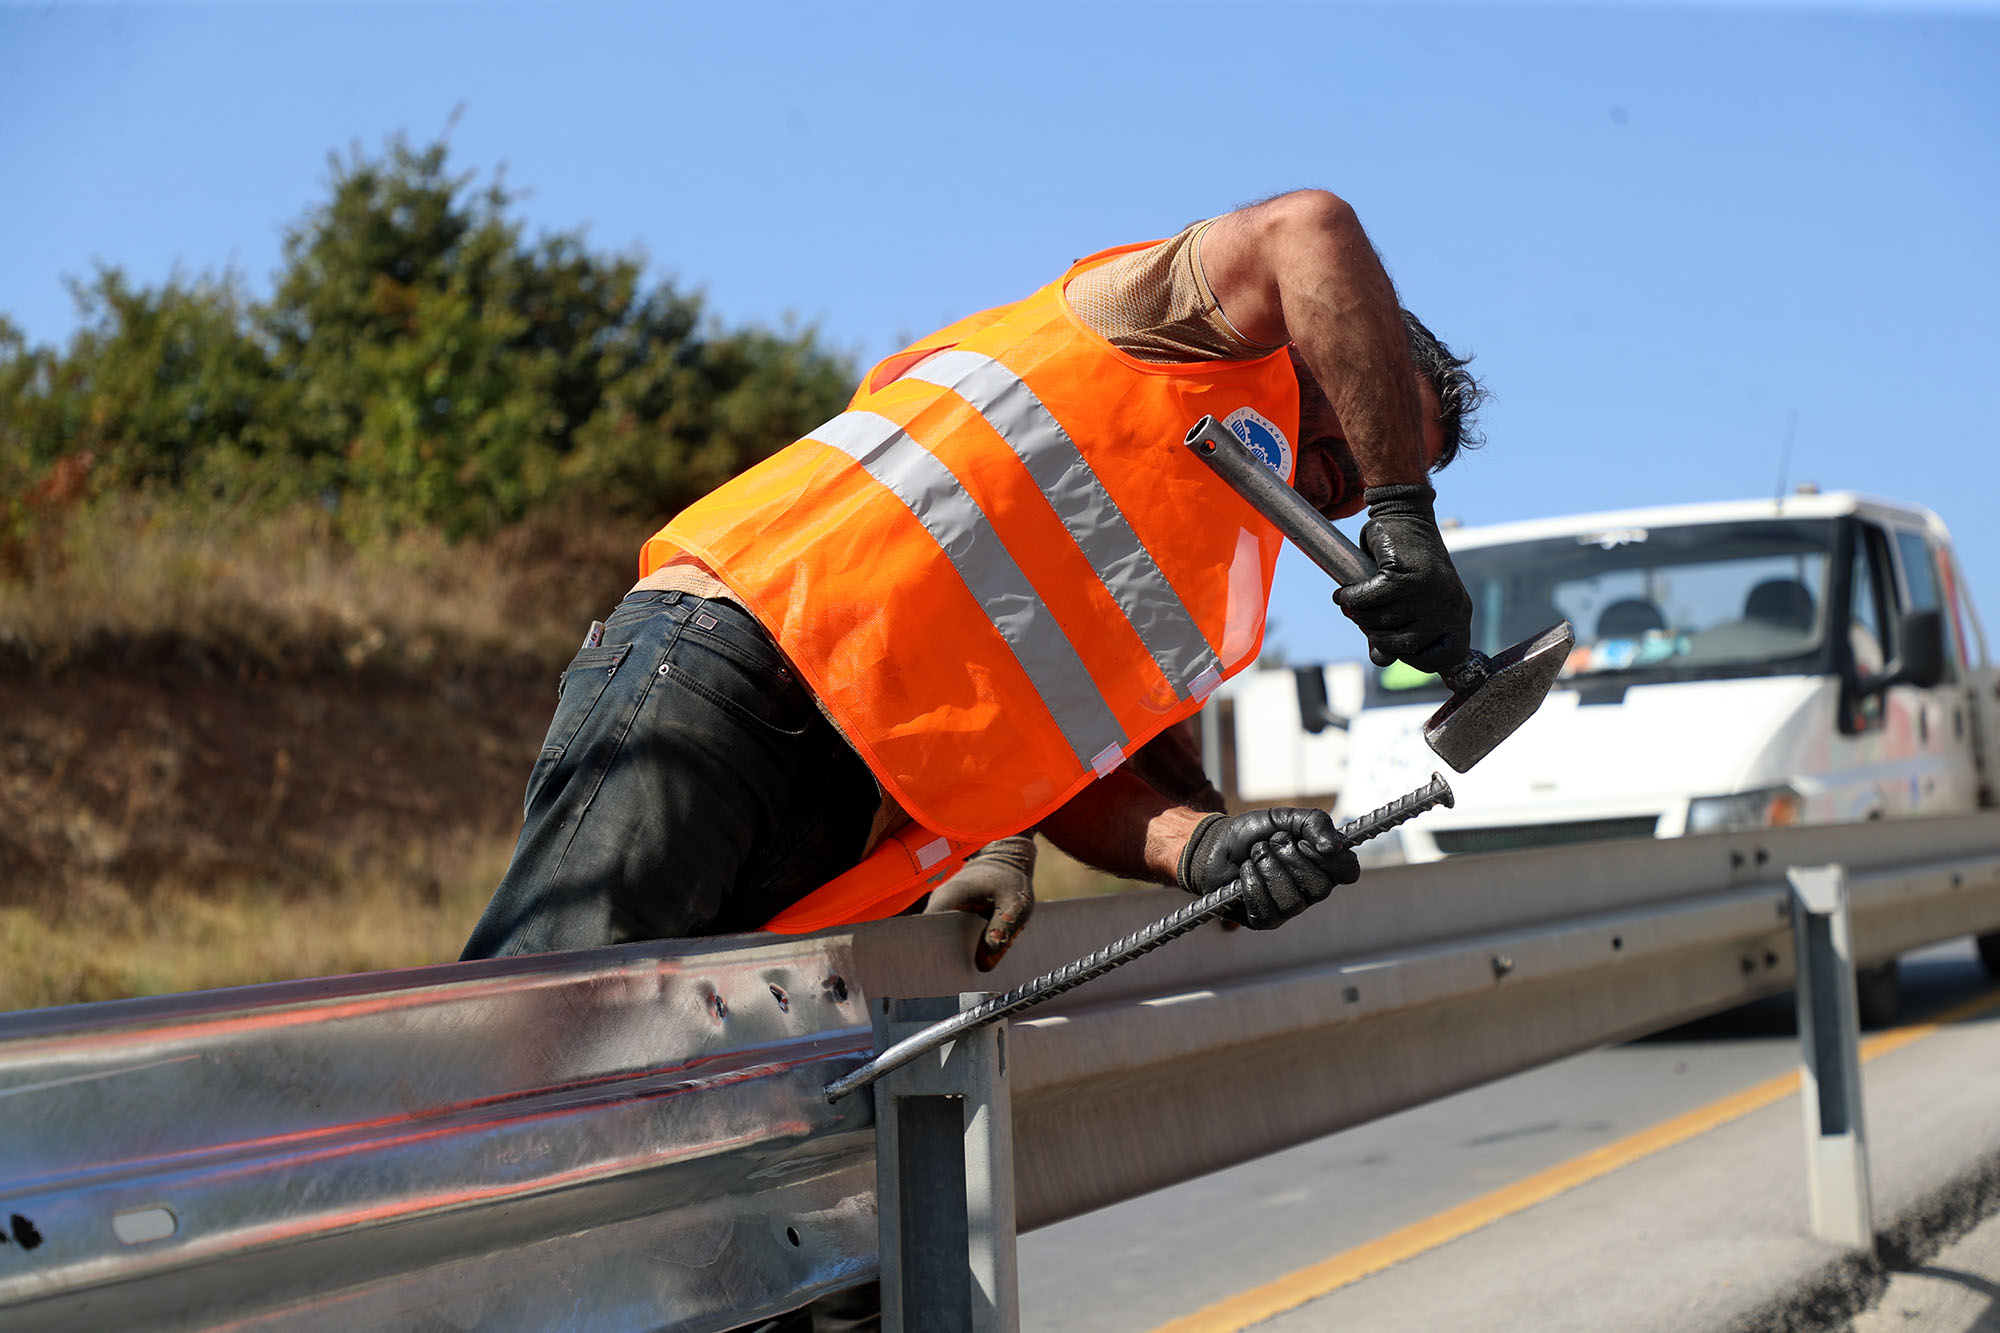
{"x":975,"y":550}
{"x":1097,"y":526}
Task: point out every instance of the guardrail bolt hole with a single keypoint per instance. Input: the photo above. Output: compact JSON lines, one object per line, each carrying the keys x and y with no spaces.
{"x":792,"y":1235}
{"x":1762,"y":856}
{"x":1736,"y":860}
{"x":1770,"y":958}
{"x":784,"y":1001}
{"x":1502,"y":965}
{"x":138,"y":1226}
{"x":1617,"y":942}
{"x":1351,"y":994}
{"x":1957,"y":880}
{"x":717,"y":1005}
{"x":1749,"y":965}
{"x":836,"y":989}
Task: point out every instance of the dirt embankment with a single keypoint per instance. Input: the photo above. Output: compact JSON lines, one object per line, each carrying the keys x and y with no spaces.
{"x":293,"y":784}
{"x":161,"y":833}
{"x":240,"y":745}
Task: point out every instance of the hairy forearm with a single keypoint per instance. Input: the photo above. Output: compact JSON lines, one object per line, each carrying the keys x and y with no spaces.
{"x":1121,"y":825}
{"x":1170,"y":763}
{"x":1348,"y":327}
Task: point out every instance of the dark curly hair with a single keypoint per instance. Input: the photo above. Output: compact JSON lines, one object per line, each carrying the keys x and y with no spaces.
{"x":1458,"y":393}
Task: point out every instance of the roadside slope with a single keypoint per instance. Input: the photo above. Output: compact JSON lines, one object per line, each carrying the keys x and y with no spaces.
{"x":164,"y":833}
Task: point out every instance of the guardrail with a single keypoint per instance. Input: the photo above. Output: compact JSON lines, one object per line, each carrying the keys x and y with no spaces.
{"x":635,"y":1137}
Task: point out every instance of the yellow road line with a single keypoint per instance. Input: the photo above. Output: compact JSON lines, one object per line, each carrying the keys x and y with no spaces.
{"x":1329,"y":1275}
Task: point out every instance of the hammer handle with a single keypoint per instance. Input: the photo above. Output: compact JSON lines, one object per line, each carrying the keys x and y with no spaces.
{"x":1324,"y":544}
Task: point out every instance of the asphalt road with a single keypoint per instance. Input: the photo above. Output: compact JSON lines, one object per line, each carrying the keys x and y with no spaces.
{"x":1147,"y":1262}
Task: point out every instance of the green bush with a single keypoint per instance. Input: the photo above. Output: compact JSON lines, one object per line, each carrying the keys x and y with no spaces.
{"x":419,"y":363}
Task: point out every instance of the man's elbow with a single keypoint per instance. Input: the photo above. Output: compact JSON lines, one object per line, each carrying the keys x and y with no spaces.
{"x":1306,"y":213}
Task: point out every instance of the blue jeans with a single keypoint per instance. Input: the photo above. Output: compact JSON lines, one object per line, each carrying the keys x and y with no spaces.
{"x":689,"y":785}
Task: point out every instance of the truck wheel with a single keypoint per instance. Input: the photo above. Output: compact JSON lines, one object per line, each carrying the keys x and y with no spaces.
{"x":1877,"y":994}
{"x":1989,"y":954}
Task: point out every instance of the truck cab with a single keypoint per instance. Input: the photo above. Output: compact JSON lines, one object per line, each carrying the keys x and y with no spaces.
{"x":1738,"y":665}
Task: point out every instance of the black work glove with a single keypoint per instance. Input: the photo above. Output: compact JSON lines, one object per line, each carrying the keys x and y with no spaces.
{"x":1287,"y":858}
{"x":998,"y":883}
{"x":1414,"y":607}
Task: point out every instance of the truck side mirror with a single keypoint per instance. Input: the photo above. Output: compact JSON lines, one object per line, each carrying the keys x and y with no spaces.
{"x":1921,"y":635}
{"x":1919,"y":655}
{"x":1315,"y":714}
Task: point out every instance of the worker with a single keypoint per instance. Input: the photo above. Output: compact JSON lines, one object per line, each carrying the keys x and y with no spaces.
{"x":954,"y":612}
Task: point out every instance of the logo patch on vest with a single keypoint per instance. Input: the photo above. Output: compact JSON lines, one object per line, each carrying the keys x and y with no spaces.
{"x":1265,"y":440}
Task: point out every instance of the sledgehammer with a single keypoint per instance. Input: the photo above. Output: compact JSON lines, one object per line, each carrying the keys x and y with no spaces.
{"x":1490,"y":696}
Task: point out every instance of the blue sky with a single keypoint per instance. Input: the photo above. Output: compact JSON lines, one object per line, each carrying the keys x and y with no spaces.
{"x":1664,"y":230}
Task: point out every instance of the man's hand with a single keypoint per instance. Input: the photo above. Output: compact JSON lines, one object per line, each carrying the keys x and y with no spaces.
{"x":1414,"y":607}
{"x":998,"y":883}
{"x":1287,"y":859}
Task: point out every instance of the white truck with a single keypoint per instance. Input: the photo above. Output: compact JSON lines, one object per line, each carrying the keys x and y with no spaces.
{"x":1738,"y":665}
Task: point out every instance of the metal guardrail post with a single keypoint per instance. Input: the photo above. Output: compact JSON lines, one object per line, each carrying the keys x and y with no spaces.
{"x":944,"y":1170}
{"x":1830,"y":1035}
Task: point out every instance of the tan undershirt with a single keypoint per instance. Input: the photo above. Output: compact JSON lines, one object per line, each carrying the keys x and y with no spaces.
{"x":1153,"y":304}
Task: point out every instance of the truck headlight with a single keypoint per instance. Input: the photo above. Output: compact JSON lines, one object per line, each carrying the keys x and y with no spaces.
{"x":1766,"y":807}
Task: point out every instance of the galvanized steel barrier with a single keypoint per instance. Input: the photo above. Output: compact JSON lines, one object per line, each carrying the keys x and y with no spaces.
{"x":636,"y":1137}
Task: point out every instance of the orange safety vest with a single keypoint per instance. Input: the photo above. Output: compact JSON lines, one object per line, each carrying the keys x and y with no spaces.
{"x":1000,"y":571}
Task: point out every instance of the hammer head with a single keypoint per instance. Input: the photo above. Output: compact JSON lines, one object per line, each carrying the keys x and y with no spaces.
{"x":1482,"y":713}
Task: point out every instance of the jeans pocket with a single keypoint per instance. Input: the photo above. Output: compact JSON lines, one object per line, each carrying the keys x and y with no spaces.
{"x":768,"y":696}
{"x":582,"y":685}
{"x":589,"y":672}
{"x":727,"y":630}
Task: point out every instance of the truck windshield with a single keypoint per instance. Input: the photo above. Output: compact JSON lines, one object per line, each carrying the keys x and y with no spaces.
{"x":1691,"y":602}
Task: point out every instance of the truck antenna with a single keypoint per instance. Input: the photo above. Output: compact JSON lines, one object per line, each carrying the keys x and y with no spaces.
{"x":1785,"y":454}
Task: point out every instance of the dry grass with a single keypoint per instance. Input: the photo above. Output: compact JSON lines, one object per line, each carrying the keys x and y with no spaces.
{"x":104,"y":943}
{"x":128,"y":582}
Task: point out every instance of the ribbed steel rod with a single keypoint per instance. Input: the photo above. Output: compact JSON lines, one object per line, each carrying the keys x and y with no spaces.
{"x":1139,"y":943}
